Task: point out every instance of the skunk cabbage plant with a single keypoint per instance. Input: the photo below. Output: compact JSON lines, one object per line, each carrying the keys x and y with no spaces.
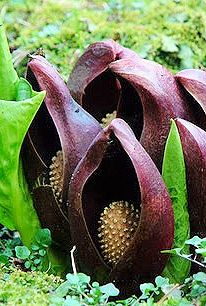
{"x":57,"y":139}
{"x":145,"y":94}
{"x":77,"y":138}
{"x":19,"y":104}
{"x":101,"y":188}
{"x":120,"y":208}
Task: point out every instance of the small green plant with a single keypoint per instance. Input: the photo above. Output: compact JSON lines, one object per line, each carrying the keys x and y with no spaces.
{"x":199,"y":255}
{"x":192,"y":292}
{"x":26,"y":288}
{"x":12,"y":252}
{"x":34,"y":258}
{"x":8,"y":242}
{"x":78,"y":290}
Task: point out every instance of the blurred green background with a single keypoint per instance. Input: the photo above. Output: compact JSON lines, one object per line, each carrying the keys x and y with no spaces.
{"x":171,"y":32}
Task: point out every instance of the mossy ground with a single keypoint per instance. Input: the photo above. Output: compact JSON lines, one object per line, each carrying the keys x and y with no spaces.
{"x":172,"y":33}
{"x":26,"y":288}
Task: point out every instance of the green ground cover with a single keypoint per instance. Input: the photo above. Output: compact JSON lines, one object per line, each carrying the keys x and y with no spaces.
{"x":30,"y":288}
{"x":170,"y":32}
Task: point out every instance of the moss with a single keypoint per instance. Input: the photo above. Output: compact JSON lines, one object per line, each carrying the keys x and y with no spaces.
{"x":64,"y":29}
{"x":26,"y":288}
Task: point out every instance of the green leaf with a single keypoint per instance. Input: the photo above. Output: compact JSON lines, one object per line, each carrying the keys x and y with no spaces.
{"x":16,"y":207}
{"x":195,"y":241}
{"x":8,"y":252}
{"x":56,"y":300}
{"x":62,"y":290}
{"x":83,"y":278}
{"x":200,"y":277}
{"x":24,"y":90}
{"x":186,"y":57}
{"x":179,"y":17}
{"x":43,"y":237}
{"x":109,"y":289}
{"x":27,"y":264}
{"x":172,"y":292}
{"x":8,"y":76}
{"x":35,"y":247}
{"x":22,"y":252}
{"x":174,"y":176}
{"x":201,"y":251}
{"x":169,"y":44}
{"x":37,"y":261}
{"x":73,"y":279}
{"x":4,"y":259}
{"x":147,"y":289}
{"x":144,"y":51}
{"x":70,"y":301}
{"x":95,"y":285}
{"x":49,"y":30}
{"x":42,"y":252}
{"x":161,"y":281}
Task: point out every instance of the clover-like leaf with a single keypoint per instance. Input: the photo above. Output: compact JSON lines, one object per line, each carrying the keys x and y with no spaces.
{"x":22,"y":252}
{"x":43,"y":237}
{"x":195,"y":241}
{"x":109,"y":289}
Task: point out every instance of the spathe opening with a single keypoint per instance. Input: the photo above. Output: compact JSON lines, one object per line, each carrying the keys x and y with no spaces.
{"x":102,"y":95}
{"x":114,"y":180}
{"x":42,"y":130}
{"x":108,"y":93}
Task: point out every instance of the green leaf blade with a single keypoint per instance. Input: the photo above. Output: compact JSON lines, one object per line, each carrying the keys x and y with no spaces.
{"x":8,"y":76}
{"x":174,"y":176}
{"x":16,"y":207}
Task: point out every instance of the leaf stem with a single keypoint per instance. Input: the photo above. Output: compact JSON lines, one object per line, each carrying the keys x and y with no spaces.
{"x":177,"y":286}
{"x":72,"y":260}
